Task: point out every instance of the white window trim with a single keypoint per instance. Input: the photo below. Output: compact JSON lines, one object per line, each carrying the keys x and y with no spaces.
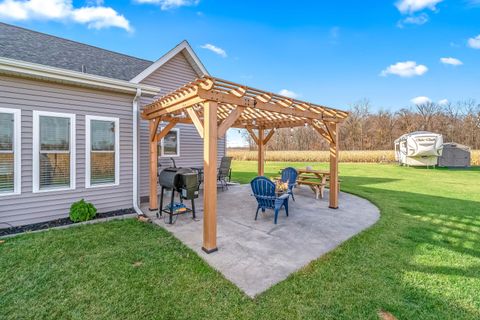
{"x":17,"y":151}
{"x":88,"y":144}
{"x":178,"y":145}
{"x":36,"y":150}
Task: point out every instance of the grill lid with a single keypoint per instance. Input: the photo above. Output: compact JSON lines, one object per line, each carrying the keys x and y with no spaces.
{"x":170,"y":178}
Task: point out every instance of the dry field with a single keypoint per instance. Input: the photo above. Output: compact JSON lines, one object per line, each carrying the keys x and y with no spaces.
{"x":323,"y":156}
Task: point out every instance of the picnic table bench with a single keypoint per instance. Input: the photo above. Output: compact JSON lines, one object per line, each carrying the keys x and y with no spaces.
{"x":315,"y":179}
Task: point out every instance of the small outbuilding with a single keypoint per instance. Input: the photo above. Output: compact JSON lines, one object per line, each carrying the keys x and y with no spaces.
{"x":454,"y":156}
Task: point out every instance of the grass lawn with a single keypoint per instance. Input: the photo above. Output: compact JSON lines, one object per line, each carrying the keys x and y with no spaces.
{"x":420,"y":261}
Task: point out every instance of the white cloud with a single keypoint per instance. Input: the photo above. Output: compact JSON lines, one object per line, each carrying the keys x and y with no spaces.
{"x":405,"y":69}
{"x":443,"y":102}
{"x":474,"y":42}
{"x":412,"y":6}
{"x":100,"y":17}
{"x":288,"y":93}
{"x":451,"y":61}
{"x":421,"y":100}
{"x":215,"y":49}
{"x":418,"y":20}
{"x":94,"y":16}
{"x":169,"y":4}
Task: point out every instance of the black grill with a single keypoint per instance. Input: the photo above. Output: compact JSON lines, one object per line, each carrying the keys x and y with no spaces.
{"x":185,"y":182}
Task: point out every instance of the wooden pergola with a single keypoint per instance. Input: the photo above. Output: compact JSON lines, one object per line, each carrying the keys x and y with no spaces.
{"x":213,"y":106}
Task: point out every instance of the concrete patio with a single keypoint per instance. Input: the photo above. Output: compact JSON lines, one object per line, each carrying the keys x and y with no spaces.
{"x":255,"y":255}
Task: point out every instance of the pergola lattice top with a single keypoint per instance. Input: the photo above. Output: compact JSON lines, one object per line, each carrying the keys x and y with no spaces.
{"x":246,"y":106}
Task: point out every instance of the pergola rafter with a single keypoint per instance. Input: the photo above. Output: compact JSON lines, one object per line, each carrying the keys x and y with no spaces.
{"x":213,"y":106}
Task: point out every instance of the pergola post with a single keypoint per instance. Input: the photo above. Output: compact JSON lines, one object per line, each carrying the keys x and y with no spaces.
{"x":210,"y":177}
{"x":333,"y":199}
{"x":153,"y":164}
{"x":261,"y":152}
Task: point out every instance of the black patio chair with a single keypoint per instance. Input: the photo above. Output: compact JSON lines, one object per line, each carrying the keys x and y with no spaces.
{"x":224,"y":172}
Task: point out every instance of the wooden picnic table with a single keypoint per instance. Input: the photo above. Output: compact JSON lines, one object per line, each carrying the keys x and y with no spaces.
{"x":315,"y":179}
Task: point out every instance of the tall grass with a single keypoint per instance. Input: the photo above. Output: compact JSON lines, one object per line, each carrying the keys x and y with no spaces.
{"x":315,"y":156}
{"x":475,"y":157}
{"x":323,"y":156}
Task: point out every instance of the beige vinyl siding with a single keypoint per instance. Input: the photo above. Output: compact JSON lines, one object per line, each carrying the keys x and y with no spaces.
{"x":173,"y":74}
{"x":29,"y":95}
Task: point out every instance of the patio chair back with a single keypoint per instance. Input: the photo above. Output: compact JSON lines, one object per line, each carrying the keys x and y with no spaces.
{"x":290,"y":174}
{"x":264,"y":191}
{"x":225,"y":165}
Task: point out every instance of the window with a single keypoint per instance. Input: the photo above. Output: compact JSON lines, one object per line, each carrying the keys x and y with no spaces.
{"x":170,"y":144}
{"x":102,"y":151}
{"x":10,"y":146}
{"x":53,"y":151}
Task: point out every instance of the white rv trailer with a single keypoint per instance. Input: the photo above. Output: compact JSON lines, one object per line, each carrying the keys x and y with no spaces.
{"x":419,"y":148}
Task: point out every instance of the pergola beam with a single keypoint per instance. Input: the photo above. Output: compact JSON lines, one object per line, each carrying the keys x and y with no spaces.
{"x":196,"y":121}
{"x":252,"y":134}
{"x":322,"y":132}
{"x":174,"y":107}
{"x":330,"y":130}
{"x":269,"y":136}
{"x":227,"y":122}
{"x":166,"y":130}
{"x":256,"y":104}
{"x":154,"y":128}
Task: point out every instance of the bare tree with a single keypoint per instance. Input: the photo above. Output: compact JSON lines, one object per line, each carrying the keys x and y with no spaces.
{"x":364,"y":130}
{"x":427,"y":112}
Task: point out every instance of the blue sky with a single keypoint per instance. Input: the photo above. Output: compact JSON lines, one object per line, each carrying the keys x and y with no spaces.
{"x":329,"y":52}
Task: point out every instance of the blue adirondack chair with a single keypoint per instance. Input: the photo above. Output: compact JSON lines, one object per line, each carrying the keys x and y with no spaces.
{"x":264,"y":191}
{"x":290,"y":174}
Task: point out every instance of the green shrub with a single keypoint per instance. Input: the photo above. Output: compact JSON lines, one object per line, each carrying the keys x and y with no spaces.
{"x":82,"y":211}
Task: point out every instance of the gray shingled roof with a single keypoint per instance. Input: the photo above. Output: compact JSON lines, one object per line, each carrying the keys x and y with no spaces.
{"x":31,"y":46}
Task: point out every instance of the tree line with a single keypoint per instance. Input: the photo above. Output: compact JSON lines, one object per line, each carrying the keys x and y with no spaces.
{"x":366,"y":130}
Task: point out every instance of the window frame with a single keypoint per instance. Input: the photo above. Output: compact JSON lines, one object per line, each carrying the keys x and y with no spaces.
{"x":17,"y":151}
{"x":162,"y":154}
{"x":88,"y":151}
{"x":36,"y":150}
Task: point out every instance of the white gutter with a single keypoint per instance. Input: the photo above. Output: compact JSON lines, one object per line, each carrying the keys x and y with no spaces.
{"x":39,"y":71}
{"x":135,"y":151}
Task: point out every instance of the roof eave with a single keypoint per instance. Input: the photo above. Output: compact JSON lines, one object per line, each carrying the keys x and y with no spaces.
{"x":38,"y":71}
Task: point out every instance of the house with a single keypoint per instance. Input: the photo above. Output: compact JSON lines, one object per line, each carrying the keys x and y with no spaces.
{"x":70,"y":125}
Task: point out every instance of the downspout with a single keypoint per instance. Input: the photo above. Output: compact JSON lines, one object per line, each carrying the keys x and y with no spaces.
{"x":135,"y":151}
